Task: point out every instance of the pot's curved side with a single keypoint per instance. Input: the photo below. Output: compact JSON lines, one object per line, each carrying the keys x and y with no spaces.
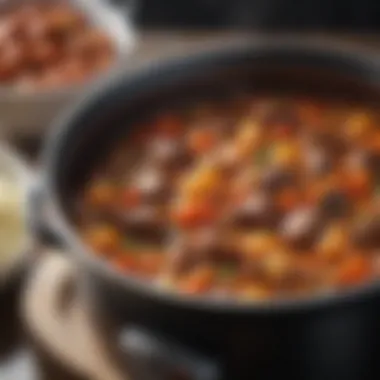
{"x":329,"y":336}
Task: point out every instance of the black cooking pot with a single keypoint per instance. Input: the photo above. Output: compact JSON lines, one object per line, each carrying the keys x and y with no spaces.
{"x":322,"y":337}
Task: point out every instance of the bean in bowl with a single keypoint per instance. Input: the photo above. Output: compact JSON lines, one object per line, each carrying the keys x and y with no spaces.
{"x":263,"y":198}
{"x":49,"y":45}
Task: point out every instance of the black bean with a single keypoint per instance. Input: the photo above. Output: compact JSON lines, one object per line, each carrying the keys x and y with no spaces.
{"x":301,"y":228}
{"x":276,"y":179}
{"x":335,"y":204}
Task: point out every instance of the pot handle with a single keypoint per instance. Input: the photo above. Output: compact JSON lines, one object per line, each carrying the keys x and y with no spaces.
{"x":37,"y":216}
{"x":149,"y":356}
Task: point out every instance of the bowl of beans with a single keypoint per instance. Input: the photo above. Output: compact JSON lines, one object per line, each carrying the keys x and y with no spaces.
{"x":229,"y":201}
{"x":50,"y":50}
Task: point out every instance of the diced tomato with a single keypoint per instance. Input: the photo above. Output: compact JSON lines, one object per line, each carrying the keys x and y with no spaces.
{"x":202,"y":140}
{"x":192,"y":215}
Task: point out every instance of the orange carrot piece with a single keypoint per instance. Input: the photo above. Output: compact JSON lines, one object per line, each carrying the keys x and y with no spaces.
{"x":198,"y":281}
{"x":354,"y":270}
{"x":150,"y":263}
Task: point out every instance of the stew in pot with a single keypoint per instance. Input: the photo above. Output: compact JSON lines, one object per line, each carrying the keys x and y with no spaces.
{"x":250,"y":199}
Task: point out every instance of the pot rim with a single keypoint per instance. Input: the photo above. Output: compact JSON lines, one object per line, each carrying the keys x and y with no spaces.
{"x":350,"y":53}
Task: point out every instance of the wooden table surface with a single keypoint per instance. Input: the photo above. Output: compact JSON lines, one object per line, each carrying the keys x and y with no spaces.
{"x":151,"y":45}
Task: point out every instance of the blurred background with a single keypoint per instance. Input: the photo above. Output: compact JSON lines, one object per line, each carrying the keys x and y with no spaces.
{"x":260,"y":15}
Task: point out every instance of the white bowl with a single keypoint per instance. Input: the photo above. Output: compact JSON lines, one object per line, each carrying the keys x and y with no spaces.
{"x":30,"y":113}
